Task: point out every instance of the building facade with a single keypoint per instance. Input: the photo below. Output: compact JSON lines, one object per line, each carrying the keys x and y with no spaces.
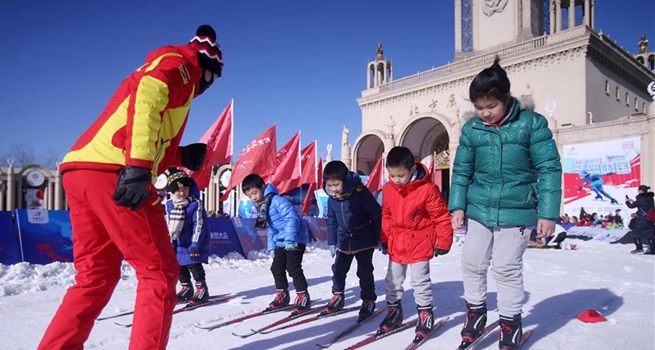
{"x":588,"y":87}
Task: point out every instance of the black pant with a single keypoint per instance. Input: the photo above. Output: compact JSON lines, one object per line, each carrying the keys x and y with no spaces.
{"x":364,"y":272}
{"x":196,"y":269}
{"x":557,"y":239}
{"x":289,"y":261}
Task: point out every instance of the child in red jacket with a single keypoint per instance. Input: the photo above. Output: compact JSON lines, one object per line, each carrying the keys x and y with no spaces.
{"x":415,"y":228}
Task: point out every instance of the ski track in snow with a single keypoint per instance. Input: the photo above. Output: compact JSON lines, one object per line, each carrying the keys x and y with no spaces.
{"x":559,"y":285}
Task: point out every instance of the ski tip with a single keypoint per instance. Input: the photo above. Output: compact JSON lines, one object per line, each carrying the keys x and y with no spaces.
{"x":243,"y":335}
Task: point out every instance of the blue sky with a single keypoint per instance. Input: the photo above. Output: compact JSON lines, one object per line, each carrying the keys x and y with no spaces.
{"x":298,"y":63}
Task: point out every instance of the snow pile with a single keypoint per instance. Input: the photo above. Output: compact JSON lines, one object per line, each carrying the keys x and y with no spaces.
{"x":27,"y":278}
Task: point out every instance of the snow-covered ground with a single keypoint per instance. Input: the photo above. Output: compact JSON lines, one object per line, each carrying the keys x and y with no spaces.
{"x":559,"y":285}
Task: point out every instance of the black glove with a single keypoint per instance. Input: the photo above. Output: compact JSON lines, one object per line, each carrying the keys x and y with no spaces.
{"x":438,"y":252}
{"x":193,"y":156}
{"x":260,"y":222}
{"x":134,"y":187}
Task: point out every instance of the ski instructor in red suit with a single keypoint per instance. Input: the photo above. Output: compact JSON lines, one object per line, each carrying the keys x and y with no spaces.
{"x":115,"y":212}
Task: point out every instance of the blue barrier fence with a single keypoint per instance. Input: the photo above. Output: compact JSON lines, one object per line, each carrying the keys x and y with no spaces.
{"x":44,"y":236}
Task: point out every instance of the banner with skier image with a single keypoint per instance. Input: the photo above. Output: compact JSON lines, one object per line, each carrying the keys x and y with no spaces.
{"x":598,"y":176}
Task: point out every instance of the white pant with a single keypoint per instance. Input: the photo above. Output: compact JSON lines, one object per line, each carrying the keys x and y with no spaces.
{"x":505,"y":245}
{"x":420,"y":281}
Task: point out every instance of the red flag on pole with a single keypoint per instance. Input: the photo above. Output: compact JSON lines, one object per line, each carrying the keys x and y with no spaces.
{"x":374,"y":182}
{"x":287,"y":171}
{"x":309,"y":171}
{"x":258,"y":157}
{"x":307,"y":203}
{"x":219,"y":146}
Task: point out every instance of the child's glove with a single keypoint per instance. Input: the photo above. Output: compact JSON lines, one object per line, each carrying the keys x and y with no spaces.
{"x":333,"y":250}
{"x":260,"y":222}
{"x":193,"y":155}
{"x":438,"y":252}
{"x":383,"y":248}
{"x":271,"y":253}
{"x":194,"y":252}
{"x":291,"y":247}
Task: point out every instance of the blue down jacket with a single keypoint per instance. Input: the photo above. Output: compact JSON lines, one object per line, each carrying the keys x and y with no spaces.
{"x":285,"y":226}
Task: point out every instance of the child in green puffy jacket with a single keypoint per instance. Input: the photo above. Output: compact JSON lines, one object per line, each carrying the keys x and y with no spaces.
{"x":506,"y":179}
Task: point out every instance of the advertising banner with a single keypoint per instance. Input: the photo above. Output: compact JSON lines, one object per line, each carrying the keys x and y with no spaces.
{"x":223,"y":237}
{"x":599,"y":175}
{"x":44,"y":235}
{"x":251,"y":238}
{"x":318,"y":227}
{"x":9,"y":250}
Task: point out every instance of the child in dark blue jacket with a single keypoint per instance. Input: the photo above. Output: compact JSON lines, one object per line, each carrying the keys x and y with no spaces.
{"x":353,"y":222}
{"x":287,"y":239}
{"x":187,"y":226}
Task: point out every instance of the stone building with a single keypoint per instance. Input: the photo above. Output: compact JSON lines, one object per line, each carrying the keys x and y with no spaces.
{"x":588,"y":86}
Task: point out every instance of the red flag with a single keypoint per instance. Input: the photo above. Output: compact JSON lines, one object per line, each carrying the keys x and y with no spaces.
{"x":219,"y":146}
{"x":374,"y":182}
{"x":287,"y":171}
{"x":307,"y":203}
{"x":258,"y":157}
{"x":309,"y":171}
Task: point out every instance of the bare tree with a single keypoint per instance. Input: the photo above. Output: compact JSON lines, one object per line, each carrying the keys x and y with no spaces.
{"x":22,"y":154}
{"x":50,"y":159}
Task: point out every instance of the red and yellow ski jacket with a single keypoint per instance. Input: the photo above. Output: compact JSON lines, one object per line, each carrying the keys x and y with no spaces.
{"x":143,"y":122}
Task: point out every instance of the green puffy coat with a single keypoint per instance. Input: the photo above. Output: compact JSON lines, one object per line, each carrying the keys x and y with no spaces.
{"x":510,"y":175}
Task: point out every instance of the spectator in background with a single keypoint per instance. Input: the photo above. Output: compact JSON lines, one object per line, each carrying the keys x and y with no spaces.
{"x":595,"y":220}
{"x":565,"y":219}
{"x":617,"y":217}
{"x":574,"y":220}
{"x":642,"y":228}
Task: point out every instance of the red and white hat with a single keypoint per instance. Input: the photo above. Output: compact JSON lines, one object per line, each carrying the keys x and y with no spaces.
{"x":209,"y":52}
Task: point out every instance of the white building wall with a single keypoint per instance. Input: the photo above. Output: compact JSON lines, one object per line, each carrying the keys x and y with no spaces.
{"x":606,"y":106}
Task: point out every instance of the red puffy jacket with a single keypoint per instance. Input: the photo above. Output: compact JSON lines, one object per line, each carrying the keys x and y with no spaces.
{"x":415,"y":220}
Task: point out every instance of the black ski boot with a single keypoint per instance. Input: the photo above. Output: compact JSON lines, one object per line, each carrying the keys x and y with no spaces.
{"x":474,"y":322}
{"x":394,"y":317}
{"x":185,"y":294}
{"x":367,"y":310}
{"x":281,"y":300}
{"x":202,"y":293}
{"x":425,"y":322}
{"x":302,"y":303}
{"x":335,"y":304}
{"x":511,"y":332}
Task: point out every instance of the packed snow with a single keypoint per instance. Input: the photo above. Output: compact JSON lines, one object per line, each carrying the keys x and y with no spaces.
{"x":560,"y":284}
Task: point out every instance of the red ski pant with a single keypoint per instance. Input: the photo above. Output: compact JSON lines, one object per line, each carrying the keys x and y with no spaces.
{"x":104,"y":233}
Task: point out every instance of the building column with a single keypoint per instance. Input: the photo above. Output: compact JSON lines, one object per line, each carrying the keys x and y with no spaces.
{"x":588,"y":21}
{"x":571,"y":14}
{"x":368,"y":77}
{"x":458,"y":26}
{"x":11,"y":188}
{"x":385,"y":77}
{"x":558,"y":16}
{"x":58,"y":191}
{"x":2,"y":194}
{"x":551,"y":10}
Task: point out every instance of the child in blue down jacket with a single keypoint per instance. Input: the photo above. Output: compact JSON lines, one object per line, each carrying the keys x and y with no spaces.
{"x":287,"y":239}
